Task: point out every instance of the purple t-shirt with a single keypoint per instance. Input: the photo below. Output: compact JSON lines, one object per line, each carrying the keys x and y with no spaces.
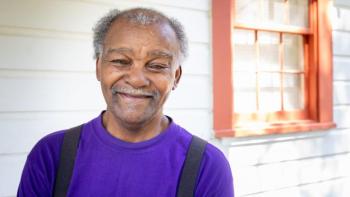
{"x":107,"y":166}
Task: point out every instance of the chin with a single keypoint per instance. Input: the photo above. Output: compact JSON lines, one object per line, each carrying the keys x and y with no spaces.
{"x":135,"y":118}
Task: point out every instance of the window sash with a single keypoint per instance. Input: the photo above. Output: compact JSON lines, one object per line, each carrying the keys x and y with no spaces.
{"x":245,"y":99}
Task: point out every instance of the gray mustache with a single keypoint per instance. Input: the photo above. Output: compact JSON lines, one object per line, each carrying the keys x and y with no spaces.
{"x":132,"y":91}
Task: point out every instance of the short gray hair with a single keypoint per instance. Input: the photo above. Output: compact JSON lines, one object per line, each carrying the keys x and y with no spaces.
{"x":142,"y":16}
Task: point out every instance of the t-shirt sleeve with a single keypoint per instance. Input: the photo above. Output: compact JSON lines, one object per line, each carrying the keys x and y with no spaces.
{"x":215,"y":176}
{"x":39,"y":172}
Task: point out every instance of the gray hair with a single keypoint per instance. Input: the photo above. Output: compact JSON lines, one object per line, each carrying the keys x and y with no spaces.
{"x":142,"y":16}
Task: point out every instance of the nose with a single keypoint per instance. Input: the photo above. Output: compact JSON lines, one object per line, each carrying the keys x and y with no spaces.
{"x":136,"y":77}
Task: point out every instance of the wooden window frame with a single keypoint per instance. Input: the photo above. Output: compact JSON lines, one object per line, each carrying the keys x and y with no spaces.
{"x":320,"y":87}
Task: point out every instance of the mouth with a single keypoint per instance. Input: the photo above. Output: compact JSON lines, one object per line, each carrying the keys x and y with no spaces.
{"x":132,"y":99}
{"x":132,"y":95}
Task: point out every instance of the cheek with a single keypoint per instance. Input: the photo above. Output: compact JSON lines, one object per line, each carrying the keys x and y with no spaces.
{"x":164,"y":85}
{"x":109,"y":77}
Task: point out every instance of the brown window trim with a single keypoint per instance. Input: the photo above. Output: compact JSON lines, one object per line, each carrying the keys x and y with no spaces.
{"x":320,"y":108}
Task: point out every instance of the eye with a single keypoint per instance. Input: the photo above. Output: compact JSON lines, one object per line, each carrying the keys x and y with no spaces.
{"x":121,"y":62}
{"x":157,"y":67}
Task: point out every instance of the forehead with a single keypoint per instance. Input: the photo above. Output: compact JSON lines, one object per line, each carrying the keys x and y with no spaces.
{"x":130,"y":34}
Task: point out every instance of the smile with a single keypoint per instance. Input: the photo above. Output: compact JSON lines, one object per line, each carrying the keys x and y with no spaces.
{"x":138,"y":93}
{"x":133,"y":99}
{"x":134,"y":96}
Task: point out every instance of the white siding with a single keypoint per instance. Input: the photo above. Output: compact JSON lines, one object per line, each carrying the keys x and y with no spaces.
{"x":311,"y":164}
{"x":47,"y":72}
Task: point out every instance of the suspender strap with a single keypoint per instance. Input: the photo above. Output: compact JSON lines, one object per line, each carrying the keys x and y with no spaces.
{"x":186,"y":186}
{"x":67,"y":158}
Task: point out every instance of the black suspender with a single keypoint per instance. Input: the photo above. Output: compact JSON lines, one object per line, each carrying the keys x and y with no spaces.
{"x":67,"y":158}
{"x":186,"y":185}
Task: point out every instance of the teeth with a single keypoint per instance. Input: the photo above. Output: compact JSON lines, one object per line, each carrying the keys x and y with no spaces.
{"x":132,"y":92}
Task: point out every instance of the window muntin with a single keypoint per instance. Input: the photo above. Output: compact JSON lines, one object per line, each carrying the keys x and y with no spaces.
{"x":269,"y":66}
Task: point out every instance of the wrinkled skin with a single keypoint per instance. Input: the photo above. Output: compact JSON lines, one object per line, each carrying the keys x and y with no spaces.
{"x":137,"y":70}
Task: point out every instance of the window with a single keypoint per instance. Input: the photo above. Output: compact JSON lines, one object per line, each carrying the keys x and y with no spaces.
{"x":272,"y":66}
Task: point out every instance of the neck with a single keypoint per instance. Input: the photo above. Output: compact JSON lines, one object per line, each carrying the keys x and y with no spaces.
{"x":134,"y":132}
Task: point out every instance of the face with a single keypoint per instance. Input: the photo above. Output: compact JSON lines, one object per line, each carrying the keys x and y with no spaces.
{"x":137,"y":70}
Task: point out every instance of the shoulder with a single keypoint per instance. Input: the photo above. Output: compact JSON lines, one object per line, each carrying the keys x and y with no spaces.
{"x":215,"y":161}
{"x":215,"y":176}
{"x":39,"y":171}
{"x":179,"y":136}
{"x":47,"y":146}
{"x":214,"y":156}
{"x":45,"y":154}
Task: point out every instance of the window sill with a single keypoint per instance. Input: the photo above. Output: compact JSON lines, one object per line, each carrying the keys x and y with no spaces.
{"x":256,"y":129}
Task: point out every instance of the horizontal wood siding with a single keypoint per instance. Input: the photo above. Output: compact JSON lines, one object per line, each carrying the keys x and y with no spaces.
{"x":47,"y":79}
{"x":47,"y":72}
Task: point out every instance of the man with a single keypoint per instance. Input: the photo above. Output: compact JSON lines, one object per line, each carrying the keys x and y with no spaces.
{"x":131,"y":148}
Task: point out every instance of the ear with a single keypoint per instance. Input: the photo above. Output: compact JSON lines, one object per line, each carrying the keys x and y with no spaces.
{"x":98,"y":69}
{"x":178,"y":74}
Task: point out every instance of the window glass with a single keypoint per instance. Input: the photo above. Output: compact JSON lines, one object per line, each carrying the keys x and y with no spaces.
{"x":244,"y":50}
{"x":293,"y":52}
{"x":268,"y":50}
{"x":245,"y":92}
{"x":298,"y":13}
{"x":293,"y":91}
{"x":247,"y":11}
{"x":273,"y":12}
{"x":270,"y":92}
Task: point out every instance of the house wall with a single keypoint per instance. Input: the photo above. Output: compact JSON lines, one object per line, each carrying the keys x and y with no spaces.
{"x":47,"y":83}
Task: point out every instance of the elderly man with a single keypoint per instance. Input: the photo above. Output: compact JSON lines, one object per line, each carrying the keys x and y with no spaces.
{"x":131,"y":148}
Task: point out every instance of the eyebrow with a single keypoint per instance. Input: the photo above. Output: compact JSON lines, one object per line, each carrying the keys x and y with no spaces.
{"x":154,"y":53}
{"x":159,"y":53}
{"x":119,"y":50}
